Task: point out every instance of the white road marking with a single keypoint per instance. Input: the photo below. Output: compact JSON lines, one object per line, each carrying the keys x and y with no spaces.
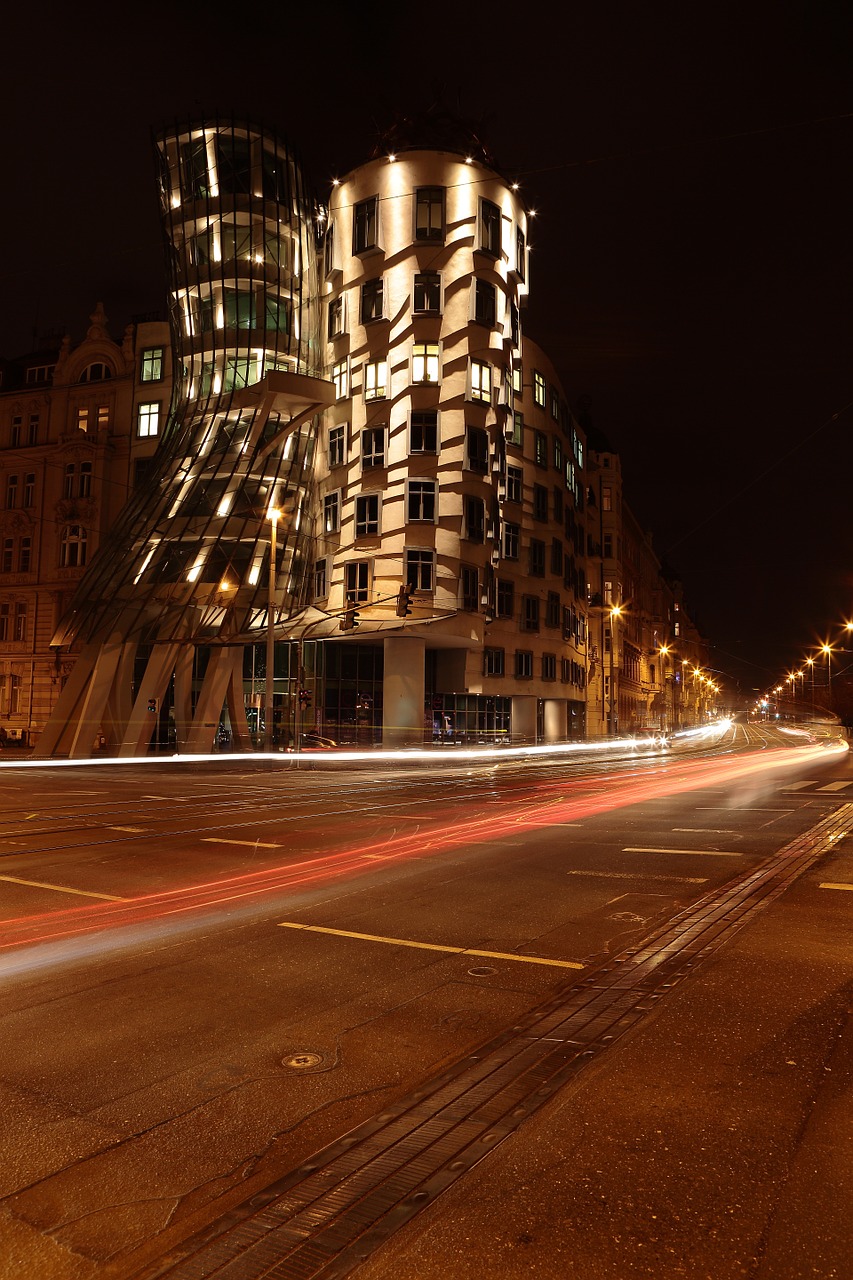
{"x":639,"y":875}
{"x":135,"y":830}
{"x":249,"y":844}
{"x":829,"y":885}
{"x":834,"y":786}
{"x":704,"y":853}
{"x":61,"y":888}
{"x":797,"y":786}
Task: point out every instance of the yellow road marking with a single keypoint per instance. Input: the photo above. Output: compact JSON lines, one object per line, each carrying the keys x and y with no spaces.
{"x":705,"y":853}
{"x":249,"y":844}
{"x":828,"y":885}
{"x":61,"y":888}
{"x":430,"y":946}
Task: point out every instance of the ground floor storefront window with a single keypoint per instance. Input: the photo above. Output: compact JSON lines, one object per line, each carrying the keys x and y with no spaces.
{"x":468,"y":717}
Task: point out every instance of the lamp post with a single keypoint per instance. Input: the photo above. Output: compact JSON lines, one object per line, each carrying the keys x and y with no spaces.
{"x":827,"y":649}
{"x":664,"y":651}
{"x":269,"y":687}
{"x":615,"y":612}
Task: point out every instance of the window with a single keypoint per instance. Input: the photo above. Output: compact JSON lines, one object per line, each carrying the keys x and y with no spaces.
{"x":606,"y":498}
{"x":372,"y":292}
{"x":514,"y":326}
{"x":15,"y":431}
{"x":68,"y":481}
{"x":469,"y":582}
{"x":321,"y":583}
{"x":608,"y":546}
{"x":103,"y":416}
{"x":429,"y":213}
{"x":97,"y":372}
{"x":365,"y":225}
{"x":152,"y":364}
{"x":332,"y":512}
{"x":493,"y":662}
{"x":523,"y":664}
{"x":11,"y":491}
{"x":517,"y":379}
{"x":148,"y":419}
{"x":39,"y":373}
{"x":558,"y":506}
{"x":425,"y":362}
{"x":376,"y":380}
{"x":475,"y":520}
{"x":485,"y":303}
{"x":29,"y":489}
{"x":517,"y":431}
{"x":553,"y":611}
{"x":514,"y":484}
{"x":490,"y":228}
{"x":83,"y":418}
{"x":480,"y":381}
{"x":420,"y":565}
{"x":357,"y":581}
{"x":420,"y":503}
{"x":549,"y":666}
{"x":530,"y":613}
{"x":4,"y":622}
{"x":520,"y":253}
{"x":340,"y":378}
{"x":537,"y":558}
{"x":540,"y":502}
{"x":336,"y":318}
{"x":540,"y":448}
{"x":25,"y":551}
{"x":8,"y":557}
{"x":506,"y":598}
{"x":330,"y":262}
{"x":538,"y":389}
{"x":426,"y":295}
{"x":337,"y":445}
{"x":556,"y":556}
{"x":72,"y":548}
{"x":555,"y":405}
{"x":373,"y":447}
{"x":511,"y":540}
{"x":477,"y":449}
{"x":33,"y":429}
{"x":367,"y":515}
{"x":84,"y":488}
{"x":558,"y":453}
{"x":423,"y":432}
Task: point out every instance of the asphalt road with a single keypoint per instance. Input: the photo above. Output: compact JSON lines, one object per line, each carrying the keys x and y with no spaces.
{"x":210,"y":971}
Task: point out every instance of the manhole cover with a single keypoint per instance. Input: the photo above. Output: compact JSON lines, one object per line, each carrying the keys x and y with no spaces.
{"x":482,"y":971}
{"x":302,"y":1061}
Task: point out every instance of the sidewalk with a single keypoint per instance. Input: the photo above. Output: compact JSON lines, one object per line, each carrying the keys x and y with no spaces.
{"x":715,"y":1141}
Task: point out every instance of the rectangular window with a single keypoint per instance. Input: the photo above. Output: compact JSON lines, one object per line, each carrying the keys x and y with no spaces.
{"x":608,"y":546}
{"x":20,"y":621}
{"x":516,"y":436}
{"x":537,"y":558}
{"x":606,"y":498}
{"x":480,"y":381}
{"x":330,"y":256}
{"x":420,"y":569}
{"x":148,"y":419}
{"x":477,"y":449}
{"x":558,"y":506}
{"x":555,"y":405}
{"x":558,"y":453}
{"x":336,"y":318}
{"x":376,"y":380}
{"x":493,"y":662}
{"x":373,"y":447}
{"x":357,"y":581}
{"x":423,"y":431}
{"x":84,"y":487}
{"x":475,"y":520}
{"x":365,"y":228}
{"x":538,"y":389}
{"x":4,"y":621}
{"x":540,"y":502}
{"x":152,"y":364}
{"x":553,"y":611}
{"x":514,"y":326}
{"x":30,"y":489}
{"x":372,"y":294}
{"x":321,"y":582}
{"x":8,"y":558}
{"x":11,"y":491}
{"x":337,"y":445}
{"x":514,"y":484}
{"x":426,"y":295}
{"x":367,"y":515}
{"x":530,"y":613}
{"x":523,"y":664}
{"x":425,"y":362}
{"x":511,"y":541}
{"x":520,"y":253}
{"x":429,"y":213}
{"x":556,"y":556}
{"x":25,"y":551}
{"x":340,"y":378}
{"x":549,"y":666}
{"x":15,"y":432}
{"x":517,"y":379}
{"x":420,"y":502}
{"x":485,"y":303}
{"x":540,"y":448}
{"x":103,"y":416}
{"x":469,"y":582}
{"x":490,"y":228}
{"x":506,"y":598}
{"x":33,"y":429}
{"x":83,"y":419}
{"x":332,"y":512}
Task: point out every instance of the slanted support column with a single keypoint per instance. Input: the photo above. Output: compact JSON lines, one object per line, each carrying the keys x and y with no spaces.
{"x":556,"y":720}
{"x":403,"y":692}
{"x":523,"y":727}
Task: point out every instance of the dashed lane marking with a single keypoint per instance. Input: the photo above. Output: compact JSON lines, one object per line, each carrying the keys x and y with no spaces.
{"x":430,"y":946}
{"x":829,"y":885}
{"x":248,"y":844}
{"x":134,"y":830}
{"x":61,"y":888}
{"x":639,"y":875}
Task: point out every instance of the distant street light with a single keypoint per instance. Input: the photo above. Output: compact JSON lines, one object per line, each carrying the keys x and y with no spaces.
{"x":269,"y":688}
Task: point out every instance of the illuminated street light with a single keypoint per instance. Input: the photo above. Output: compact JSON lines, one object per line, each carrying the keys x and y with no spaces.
{"x":615,"y":612}
{"x":273,"y":514}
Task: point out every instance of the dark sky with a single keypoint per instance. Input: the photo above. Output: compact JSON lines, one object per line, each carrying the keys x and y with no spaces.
{"x":691,"y":270}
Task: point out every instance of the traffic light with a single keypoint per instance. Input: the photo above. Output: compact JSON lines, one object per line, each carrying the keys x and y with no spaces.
{"x":350,"y":618}
{"x":304,"y":699}
{"x":153,"y":705}
{"x":404,"y":602}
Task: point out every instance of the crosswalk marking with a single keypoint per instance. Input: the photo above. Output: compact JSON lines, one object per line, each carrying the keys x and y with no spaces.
{"x":834,"y":786}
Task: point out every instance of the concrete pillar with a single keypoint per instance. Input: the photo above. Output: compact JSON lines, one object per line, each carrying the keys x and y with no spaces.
{"x":523,"y":725}
{"x":403,"y":692}
{"x":556,"y":720}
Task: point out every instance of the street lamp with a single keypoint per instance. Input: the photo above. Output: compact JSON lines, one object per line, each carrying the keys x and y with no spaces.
{"x":664,"y":651}
{"x":615,"y":612}
{"x":827,"y":649}
{"x":273,"y":514}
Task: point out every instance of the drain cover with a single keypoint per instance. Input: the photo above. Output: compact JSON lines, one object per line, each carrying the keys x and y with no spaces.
{"x":302,"y":1060}
{"x":482,"y":971}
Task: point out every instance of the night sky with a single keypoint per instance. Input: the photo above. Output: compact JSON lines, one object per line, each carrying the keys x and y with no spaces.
{"x":691,"y":262}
